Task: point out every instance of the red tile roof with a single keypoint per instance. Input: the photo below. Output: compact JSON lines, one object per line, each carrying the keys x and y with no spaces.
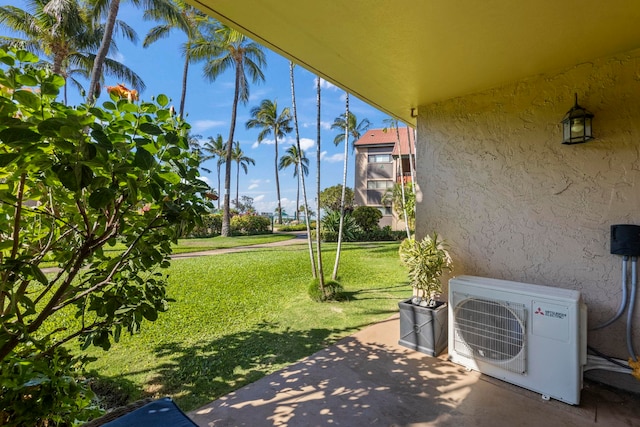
{"x":388,"y":137}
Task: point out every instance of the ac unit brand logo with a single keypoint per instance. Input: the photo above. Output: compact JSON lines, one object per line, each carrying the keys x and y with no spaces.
{"x":550,"y":313}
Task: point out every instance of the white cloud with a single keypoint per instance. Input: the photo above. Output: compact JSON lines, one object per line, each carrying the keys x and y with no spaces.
{"x":253,"y":187}
{"x":202,"y":125}
{"x":205,"y":179}
{"x":326,"y":85}
{"x":259,"y":198}
{"x":307,"y":143}
{"x":255,"y":145}
{"x":335,"y":158}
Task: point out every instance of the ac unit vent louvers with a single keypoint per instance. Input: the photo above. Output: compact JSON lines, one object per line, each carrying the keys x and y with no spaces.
{"x":492,"y":330}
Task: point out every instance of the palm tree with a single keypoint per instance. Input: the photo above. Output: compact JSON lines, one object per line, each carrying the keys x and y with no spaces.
{"x":241,"y":161}
{"x":267,"y":118}
{"x":350,"y":127}
{"x":62,"y":32}
{"x":110,"y":8}
{"x":304,"y":189}
{"x":216,"y":147}
{"x":181,"y":16}
{"x":300,"y":162}
{"x":228,"y":49}
{"x":318,"y":153}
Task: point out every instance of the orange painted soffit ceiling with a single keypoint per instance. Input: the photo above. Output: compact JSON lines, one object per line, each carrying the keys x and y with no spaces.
{"x":399,"y":55}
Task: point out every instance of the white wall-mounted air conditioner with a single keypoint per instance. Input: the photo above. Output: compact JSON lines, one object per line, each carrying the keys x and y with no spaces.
{"x":528,"y":335}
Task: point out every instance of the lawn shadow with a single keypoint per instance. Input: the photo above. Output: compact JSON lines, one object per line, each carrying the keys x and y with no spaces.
{"x":351,"y":383}
{"x":204,"y":371}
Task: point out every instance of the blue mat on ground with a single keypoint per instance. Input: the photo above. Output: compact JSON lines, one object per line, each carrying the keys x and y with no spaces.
{"x":159,"y":413}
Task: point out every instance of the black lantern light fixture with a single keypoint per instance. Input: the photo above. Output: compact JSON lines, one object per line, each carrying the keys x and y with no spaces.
{"x":576,"y":125}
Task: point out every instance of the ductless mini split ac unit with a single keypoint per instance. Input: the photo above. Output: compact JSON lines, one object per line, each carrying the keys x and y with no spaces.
{"x":528,"y":335}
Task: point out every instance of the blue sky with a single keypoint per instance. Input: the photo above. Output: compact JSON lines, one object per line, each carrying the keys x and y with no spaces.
{"x":208,"y":110}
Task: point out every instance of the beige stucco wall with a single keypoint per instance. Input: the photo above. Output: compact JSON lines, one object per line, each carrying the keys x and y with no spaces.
{"x":514,"y":203}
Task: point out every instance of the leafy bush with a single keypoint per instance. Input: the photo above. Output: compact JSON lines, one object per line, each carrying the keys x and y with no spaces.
{"x":41,"y":389}
{"x":250,"y":224}
{"x":382,"y":234}
{"x":211,"y":226}
{"x":73,"y":180}
{"x":330,"y":226}
{"x":297,"y":227}
{"x":332,"y":291}
{"x":367,"y":217}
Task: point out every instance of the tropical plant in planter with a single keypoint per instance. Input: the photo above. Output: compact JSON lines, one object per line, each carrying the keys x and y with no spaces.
{"x":426,"y":260}
{"x":423,"y":320}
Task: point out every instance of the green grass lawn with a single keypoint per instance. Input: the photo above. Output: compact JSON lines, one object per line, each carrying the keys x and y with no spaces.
{"x":209,"y":243}
{"x":238,"y":317}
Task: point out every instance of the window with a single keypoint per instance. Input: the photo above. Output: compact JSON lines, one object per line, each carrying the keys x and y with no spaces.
{"x":386,"y":210}
{"x":379,"y":184}
{"x":379,"y":158}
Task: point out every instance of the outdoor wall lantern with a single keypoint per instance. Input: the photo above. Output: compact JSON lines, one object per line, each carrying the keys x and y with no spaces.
{"x":576,"y":125}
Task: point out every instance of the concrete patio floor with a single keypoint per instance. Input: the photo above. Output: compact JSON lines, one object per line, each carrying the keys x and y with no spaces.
{"x":367,"y":379}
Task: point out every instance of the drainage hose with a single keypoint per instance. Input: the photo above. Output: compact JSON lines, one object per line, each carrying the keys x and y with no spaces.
{"x":623,"y":301}
{"x":632,"y":300}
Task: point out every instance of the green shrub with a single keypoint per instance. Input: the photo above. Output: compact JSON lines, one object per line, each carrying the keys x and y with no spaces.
{"x":385,"y":234}
{"x":249,"y":224}
{"x":330,"y":226}
{"x":211,"y":226}
{"x":74,"y":180}
{"x":367,"y":217}
{"x":332,"y":291}
{"x":297,"y":227}
{"x":43,"y":389}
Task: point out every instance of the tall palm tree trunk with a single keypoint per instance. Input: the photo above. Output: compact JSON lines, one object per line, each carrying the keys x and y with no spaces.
{"x":237,"y":184}
{"x":226,"y":214}
{"x":183,"y":96}
{"x":278,"y":180}
{"x":404,"y":204}
{"x":301,"y":174}
{"x":101,"y":55}
{"x":411,"y":165}
{"x":334,"y":276}
{"x":318,"y":152}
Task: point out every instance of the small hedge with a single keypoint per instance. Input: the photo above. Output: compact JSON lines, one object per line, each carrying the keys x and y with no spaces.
{"x":250,"y":224}
{"x":333,"y":291}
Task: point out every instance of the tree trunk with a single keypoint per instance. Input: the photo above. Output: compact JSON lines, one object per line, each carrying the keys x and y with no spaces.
{"x":275,"y":134}
{"x":404,"y":204}
{"x":301,"y":175}
{"x":226,"y":214}
{"x":219,"y":185}
{"x":101,"y":55}
{"x":237,"y":183}
{"x":318,"y":152}
{"x":183,"y":96}
{"x":334,"y":276}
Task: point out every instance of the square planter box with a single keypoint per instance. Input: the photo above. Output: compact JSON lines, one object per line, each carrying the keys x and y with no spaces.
{"x":423,"y":329}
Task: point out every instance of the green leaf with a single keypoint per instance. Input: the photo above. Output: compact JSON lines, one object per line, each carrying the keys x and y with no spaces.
{"x":26,"y":80}
{"x":151,"y":129}
{"x":7,"y":158}
{"x":74,"y":177}
{"x":163,"y":100}
{"x":102,"y":138}
{"x":109,"y":105}
{"x":51,"y":126}
{"x":13,"y":135}
{"x":50,"y":89}
{"x":27,"y":98}
{"x":39,"y":275}
{"x":6,"y":59}
{"x":172,"y":138}
{"x":144,"y":159}
{"x":171,"y":177}
{"x":26,"y":56}
{"x":101,"y":197}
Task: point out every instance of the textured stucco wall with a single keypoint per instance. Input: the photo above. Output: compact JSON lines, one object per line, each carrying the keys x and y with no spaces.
{"x":514,"y":203}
